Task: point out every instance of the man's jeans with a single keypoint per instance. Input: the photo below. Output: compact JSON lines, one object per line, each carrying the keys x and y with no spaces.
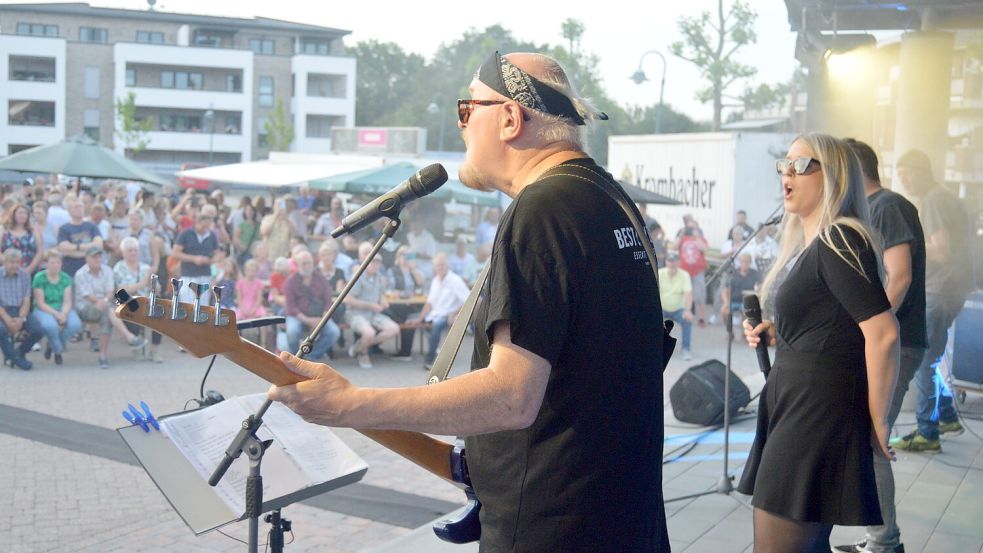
{"x":437,"y":328}
{"x":325,"y":341}
{"x":884,"y":538}
{"x":7,"y":341}
{"x":42,"y":322}
{"x":934,"y":398}
{"x":677,"y":316}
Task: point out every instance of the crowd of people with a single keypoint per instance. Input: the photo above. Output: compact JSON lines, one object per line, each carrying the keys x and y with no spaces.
{"x":67,"y":249}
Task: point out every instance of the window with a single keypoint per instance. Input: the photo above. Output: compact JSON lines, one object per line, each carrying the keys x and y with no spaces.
{"x":315,"y":46}
{"x":262,"y":45}
{"x":179,"y":122}
{"x":319,"y":126}
{"x":233,"y":83}
{"x":131,"y":77}
{"x":23,"y":68}
{"x":184,"y":80}
{"x":233,"y":124}
{"x":150,"y":37}
{"x":37,"y":29}
{"x":261,"y":133}
{"x":91,"y":123}
{"x":92,"y":76}
{"x":93,"y":34}
{"x":209,"y":39}
{"x":326,"y":86}
{"x":31,"y":113}
{"x":266,"y":91}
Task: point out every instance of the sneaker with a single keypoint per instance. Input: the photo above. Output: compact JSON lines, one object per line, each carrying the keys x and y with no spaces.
{"x":861,"y":547}
{"x":687,"y":356}
{"x":58,"y":359}
{"x":953,"y":428}
{"x":22,"y":363}
{"x":915,"y":442}
{"x":155,"y":357}
{"x":103,"y":363}
{"x":401,"y":357}
{"x":364,"y":361}
{"x":94,"y":345}
{"x":137,"y":342}
{"x":36,"y":347}
{"x":353,"y":349}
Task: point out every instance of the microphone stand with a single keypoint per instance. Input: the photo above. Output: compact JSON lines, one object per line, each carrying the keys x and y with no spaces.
{"x":246,"y":441}
{"x":725,"y":485}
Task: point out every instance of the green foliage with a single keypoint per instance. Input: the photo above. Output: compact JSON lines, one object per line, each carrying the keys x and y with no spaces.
{"x":764,"y":96}
{"x":131,"y":131}
{"x":278,"y":128}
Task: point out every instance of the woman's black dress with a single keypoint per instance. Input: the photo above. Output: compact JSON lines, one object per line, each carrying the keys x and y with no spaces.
{"x":811,"y":459}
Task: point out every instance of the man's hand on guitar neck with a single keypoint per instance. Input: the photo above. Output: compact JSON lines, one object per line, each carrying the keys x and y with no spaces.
{"x":323,"y":399}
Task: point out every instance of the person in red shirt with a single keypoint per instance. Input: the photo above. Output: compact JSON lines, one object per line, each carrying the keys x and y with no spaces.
{"x":692,"y":247}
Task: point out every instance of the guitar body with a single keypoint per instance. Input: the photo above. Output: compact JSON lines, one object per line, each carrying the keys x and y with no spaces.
{"x":465,"y":527}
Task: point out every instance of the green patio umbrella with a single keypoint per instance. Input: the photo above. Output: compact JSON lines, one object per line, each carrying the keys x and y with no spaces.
{"x":379,"y":180}
{"x":78,"y":156}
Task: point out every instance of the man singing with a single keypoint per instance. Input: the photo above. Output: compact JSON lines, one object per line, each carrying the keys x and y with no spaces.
{"x":563,"y":407}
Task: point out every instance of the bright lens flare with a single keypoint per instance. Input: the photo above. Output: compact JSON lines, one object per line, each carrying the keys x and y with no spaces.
{"x":847,"y":66}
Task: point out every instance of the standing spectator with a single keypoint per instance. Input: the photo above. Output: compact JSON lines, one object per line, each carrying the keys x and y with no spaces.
{"x":249,"y":299}
{"x":94,"y":286}
{"x":195,"y":248}
{"x":676,"y":292}
{"x":149,"y":247}
{"x":740,"y":222}
{"x":53,"y":316}
{"x":133,"y":276}
{"x":366,"y":303}
{"x":276,"y":229}
{"x":308,"y":295}
{"x":659,"y":245}
{"x":447,"y":295}
{"x":264,"y":266}
{"x":461,"y":258}
{"x":15,"y":299}
{"x":76,"y":237}
{"x":20,"y":234}
{"x":97,"y":216}
{"x":245,"y":232}
{"x":56,"y":217}
{"x":235,"y":216}
{"x":485,"y":233}
{"x":40,"y":211}
{"x":329,"y":220}
{"x":296,"y":216}
{"x":421,"y":241}
{"x":692,"y":248}
{"x":763,"y":249}
{"x":947,"y":283}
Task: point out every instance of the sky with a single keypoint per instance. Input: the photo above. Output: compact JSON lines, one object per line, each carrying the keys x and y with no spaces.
{"x":618,"y":31}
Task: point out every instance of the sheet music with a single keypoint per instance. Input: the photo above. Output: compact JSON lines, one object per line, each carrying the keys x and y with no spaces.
{"x":302,"y":454}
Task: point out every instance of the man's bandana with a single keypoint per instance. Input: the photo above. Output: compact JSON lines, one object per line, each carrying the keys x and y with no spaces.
{"x":508,"y":80}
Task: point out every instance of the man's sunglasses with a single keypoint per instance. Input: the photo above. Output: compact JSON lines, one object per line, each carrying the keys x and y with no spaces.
{"x":465,"y":107}
{"x":800,"y":166}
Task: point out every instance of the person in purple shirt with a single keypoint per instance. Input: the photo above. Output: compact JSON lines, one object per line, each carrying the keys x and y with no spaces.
{"x":308,"y":295}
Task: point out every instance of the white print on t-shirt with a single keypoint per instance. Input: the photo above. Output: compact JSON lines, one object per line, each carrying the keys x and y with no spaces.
{"x":626,"y":238}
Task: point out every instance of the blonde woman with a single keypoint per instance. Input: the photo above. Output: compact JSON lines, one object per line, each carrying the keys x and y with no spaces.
{"x":823,"y":411}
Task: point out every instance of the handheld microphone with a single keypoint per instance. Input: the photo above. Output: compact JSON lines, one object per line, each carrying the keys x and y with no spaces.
{"x":423,"y":182}
{"x":752,"y":311}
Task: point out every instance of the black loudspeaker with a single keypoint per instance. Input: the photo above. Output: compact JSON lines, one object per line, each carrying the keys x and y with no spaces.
{"x":967,"y":347}
{"x":698,"y":395}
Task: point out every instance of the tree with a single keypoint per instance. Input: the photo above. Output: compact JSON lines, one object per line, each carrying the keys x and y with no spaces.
{"x":386,"y":79}
{"x":711,"y":45}
{"x":130,"y":130}
{"x":278,"y":128}
{"x":572,"y":29}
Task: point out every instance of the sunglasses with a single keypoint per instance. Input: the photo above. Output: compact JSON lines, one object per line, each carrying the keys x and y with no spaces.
{"x":465,"y":107}
{"x":800,"y":166}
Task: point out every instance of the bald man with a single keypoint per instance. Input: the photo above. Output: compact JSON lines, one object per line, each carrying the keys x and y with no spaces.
{"x":562,"y":410}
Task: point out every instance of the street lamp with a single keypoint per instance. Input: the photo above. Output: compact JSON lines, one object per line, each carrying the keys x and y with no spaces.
{"x":433,"y":108}
{"x":639,"y":78}
{"x":209,"y":121}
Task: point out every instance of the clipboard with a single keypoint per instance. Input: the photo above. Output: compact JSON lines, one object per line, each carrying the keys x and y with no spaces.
{"x":197,"y":503}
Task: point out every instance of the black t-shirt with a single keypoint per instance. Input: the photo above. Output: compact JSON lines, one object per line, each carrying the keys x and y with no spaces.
{"x":741,"y":284}
{"x":570,"y":276}
{"x":76,"y":234}
{"x":896,"y":219}
{"x":823,"y":298}
{"x":952,"y":280}
{"x":188,"y":239}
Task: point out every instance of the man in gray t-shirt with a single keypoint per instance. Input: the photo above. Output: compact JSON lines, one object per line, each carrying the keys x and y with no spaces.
{"x":366,"y":302}
{"x":947,"y":282}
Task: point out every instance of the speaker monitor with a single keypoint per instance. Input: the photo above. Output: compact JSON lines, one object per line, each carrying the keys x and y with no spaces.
{"x":698,"y":396}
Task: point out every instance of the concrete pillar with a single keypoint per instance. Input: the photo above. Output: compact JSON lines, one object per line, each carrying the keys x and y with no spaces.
{"x":816,"y":99}
{"x":923,"y":96}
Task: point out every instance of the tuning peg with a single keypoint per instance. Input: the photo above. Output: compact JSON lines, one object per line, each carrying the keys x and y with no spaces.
{"x":196,"y":314}
{"x":220,"y":319}
{"x":177,"y":312}
{"x":154,"y":311}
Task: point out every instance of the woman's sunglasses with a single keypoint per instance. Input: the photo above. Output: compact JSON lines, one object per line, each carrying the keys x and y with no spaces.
{"x":800,"y":166}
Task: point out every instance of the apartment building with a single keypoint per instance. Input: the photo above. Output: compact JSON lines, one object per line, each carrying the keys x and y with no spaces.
{"x":208,"y":84}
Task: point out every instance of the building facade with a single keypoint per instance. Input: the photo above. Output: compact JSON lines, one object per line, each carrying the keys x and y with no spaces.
{"x":207,"y":84}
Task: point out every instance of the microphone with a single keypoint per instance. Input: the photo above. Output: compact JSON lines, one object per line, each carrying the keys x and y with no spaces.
{"x":773,"y":221}
{"x":752,"y":311}
{"x":423,"y":182}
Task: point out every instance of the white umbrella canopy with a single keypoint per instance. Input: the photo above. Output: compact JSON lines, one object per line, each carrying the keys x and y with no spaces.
{"x":274,"y":173}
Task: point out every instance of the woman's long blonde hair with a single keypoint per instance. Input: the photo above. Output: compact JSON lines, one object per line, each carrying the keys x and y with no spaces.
{"x":843,"y":204}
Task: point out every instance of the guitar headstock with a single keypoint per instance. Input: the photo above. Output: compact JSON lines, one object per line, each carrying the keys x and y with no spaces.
{"x":201,"y":338}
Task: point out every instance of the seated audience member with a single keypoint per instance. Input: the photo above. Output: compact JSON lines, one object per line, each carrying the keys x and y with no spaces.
{"x":366,"y":303}
{"x":281,"y":272}
{"x":461,"y":258}
{"x":225,"y":278}
{"x":148,"y":247}
{"x":447,"y":295}
{"x":485,"y":233}
{"x":744,"y":280}
{"x":264,"y":265}
{"x":53,"y":316}
{"x":405,"y":280}
{"x":473,"y":269}
{"x":676,"y":293}
{"x":76,"y":237}
{"x":15,"y":299}
{"x":19,"y":233}
{"x":134,"y":277}
{"x":308,"y":295}
{"x":94,"y":289}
